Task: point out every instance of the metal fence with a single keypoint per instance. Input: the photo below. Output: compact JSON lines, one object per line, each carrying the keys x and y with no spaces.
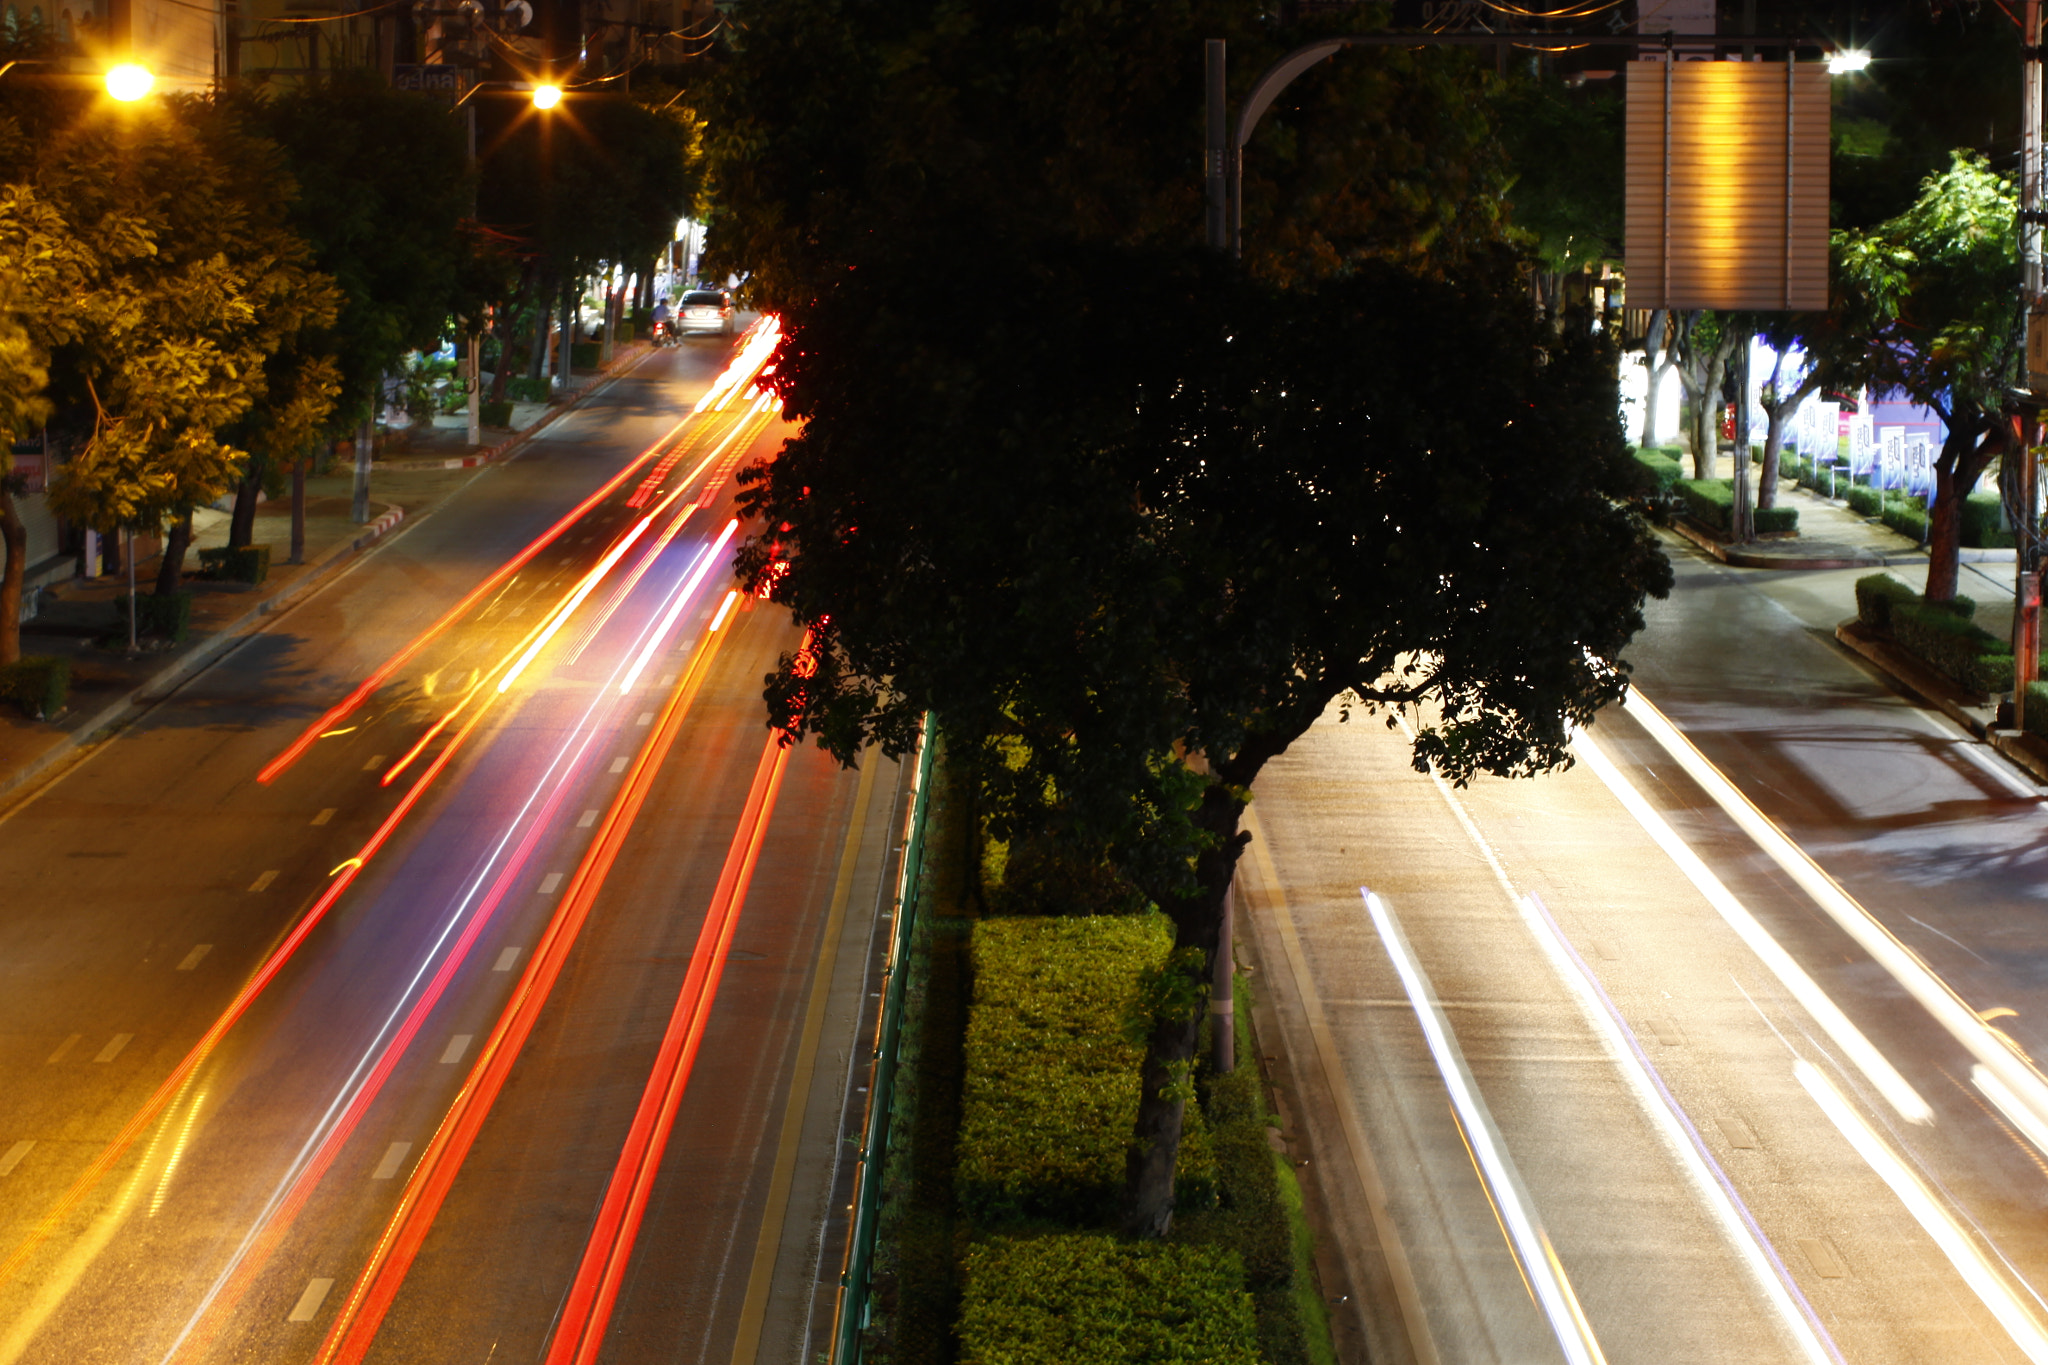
{"x":856,"y":1278}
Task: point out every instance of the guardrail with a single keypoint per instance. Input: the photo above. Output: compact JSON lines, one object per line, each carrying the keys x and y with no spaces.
{"x":850,"y":1317}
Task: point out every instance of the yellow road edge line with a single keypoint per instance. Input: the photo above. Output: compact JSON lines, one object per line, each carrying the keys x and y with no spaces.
{"x":1409,"y":1296}
{"x":754,"y":1309}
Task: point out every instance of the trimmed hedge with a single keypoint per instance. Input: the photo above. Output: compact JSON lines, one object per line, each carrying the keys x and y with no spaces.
{"x":1981,"y":512}
{"x":1656,"y":473}
{"x":2037,"y":709}
{"x":1863,"y":500}
{"x":1070,"y":1298}
{"x":245,"y":564}
{"x":1906,"y":516}
{"x":583,"y":355}
{"x":495,"y":412}
{"x":1052,"y":1069}
{"x":38,"y":684}
{"x":1711,"y":502}
{"x":1952,"y":643}
{"x":167,"y":617}
{"x":1876,"y":594}
{"x":521,"y":389}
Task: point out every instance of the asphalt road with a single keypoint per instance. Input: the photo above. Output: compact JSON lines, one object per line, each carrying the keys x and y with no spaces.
{"x":1751,"y":1218}
{"x":232,"y":1056}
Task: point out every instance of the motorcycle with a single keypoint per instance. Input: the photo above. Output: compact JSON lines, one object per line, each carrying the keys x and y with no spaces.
{"x":665,"y":332}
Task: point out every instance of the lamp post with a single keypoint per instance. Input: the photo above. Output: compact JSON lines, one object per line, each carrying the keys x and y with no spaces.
{"x":2027,"y":569}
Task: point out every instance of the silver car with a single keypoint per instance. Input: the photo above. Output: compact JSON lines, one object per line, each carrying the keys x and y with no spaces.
{"x":705,"y":310}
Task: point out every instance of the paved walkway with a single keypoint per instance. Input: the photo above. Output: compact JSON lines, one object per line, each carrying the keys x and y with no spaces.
{"x":79,"y":618}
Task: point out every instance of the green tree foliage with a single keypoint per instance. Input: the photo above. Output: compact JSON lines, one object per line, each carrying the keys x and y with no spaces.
{"x":1925,"y":306}
{"x":1565,"y":148}
{"x":22,"y":409}
{"x":168,"y":279}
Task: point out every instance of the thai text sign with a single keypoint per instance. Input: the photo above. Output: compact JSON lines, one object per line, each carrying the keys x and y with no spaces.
{"x":1727,"y":185}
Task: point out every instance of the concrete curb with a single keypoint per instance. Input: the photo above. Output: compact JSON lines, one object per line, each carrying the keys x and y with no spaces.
{"x":1749,"y":559}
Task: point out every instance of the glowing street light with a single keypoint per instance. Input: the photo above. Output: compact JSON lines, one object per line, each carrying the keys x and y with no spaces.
{"x":546,"y":96}
{"x":1842,"y":63}
{"x":129,"y":82}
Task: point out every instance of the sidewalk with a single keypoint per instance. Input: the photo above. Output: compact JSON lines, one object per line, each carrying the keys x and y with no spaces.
{"x":78,"y":619}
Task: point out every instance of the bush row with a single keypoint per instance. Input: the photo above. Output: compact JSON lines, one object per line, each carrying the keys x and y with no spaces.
{"x":243,"y":564}
{"x":1943,"y":635}
{"x":168,"y":618}
{"x":2037,"y":708}
{"x":1079,"y":1297}
{"x":1053,"y":1051}
{"x":37,"y":684}
{"x":1655,"y":472}
{"x":1711,"y":502}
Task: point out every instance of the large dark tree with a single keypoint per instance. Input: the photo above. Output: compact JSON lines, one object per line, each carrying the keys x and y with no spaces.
{"x":1130,"y":518}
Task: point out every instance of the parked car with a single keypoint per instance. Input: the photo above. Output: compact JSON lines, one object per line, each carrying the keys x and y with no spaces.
{"x":705,"y":310}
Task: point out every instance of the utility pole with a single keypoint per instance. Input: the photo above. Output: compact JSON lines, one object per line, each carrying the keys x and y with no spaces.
{"x":1215,"y":152}
{"x":2027,"y":588}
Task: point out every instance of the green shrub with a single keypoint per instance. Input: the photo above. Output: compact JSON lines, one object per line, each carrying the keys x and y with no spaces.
{"x":245,"y":564}
{"x":583,"y":355}
{"x":1981,"y":512}
{"x":2037,"y":708}
{"x":1655,"y":473}
{"x":1876,"y":594}
{"x":495,"y":412}
{"x":1052,"y":1069}
{"x":168,"y":618}
{"x":1071,"y":1298}
{"x":38,"y":684}
{"x":1953,"y":645}
{"x":1908,"y":518}
{"x":521,"y":389}
{"x":1711,"y":502}
{"x":1863,"y":500}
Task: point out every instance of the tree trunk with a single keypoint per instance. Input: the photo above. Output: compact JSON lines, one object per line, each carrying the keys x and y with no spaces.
{"x":1653,"y":341}
{"x":1743,"y":522}
{"x":537,"y":358}
{"x":1964,"y":457}
{"x":15,"y":537}
{"x":298,"y":555}
{"x":170,"y":575}
{"x":242,"y":525}
{"x":572,"y":308}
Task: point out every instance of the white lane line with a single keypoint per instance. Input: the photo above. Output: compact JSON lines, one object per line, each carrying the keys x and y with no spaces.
{"x":113,"y":1047}
{"x":619,"y":764}
{"x":549,"y":883}
{"x":64,"y":1048}
{"x":646,"y":718}
{"x":324,"y":816}
{"x":394,"y":1156}
{"x":1541,"y":1268}
{"x":668,"y":680}
{"x":310,"y":1301}
{"x":1982,"y":1277}
{"x":374,"y":764}
{"x":457,"y":1045}
{"x":15,"y":1154}
{"x":506,"y":959}
{"x":588,"y":819}
{"x":1736,"y":915}
{"x":1936,"y":996}
{"x":263,"y":880}
{"x":193,"y":958}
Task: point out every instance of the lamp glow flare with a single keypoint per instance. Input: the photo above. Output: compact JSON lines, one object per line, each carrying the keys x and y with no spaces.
{"x":129,"y":82}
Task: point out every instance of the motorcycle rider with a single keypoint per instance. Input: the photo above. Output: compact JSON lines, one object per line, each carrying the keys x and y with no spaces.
{"x":664,"y":332}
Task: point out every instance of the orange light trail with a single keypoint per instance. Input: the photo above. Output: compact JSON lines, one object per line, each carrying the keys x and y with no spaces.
{"x":626,"y":585}
{"x":297,"y":748}
{"x":584,"y":1316}
{"x":376,"y":1287}
{"x":731,"y":597}
{"x":677,"y":608}
{"x":575,"y":600}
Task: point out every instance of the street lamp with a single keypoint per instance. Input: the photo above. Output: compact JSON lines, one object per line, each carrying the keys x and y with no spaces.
{"x":546,"y":96}
{"x":129,"y":81}
{"x":1842,"y":63}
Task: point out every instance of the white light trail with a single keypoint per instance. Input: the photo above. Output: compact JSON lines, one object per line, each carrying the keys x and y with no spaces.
{"x":1962,"y":1252}
{"x":1540,"y":1265}
{"x":1867,"y":1059}
{"x":574,"y":600}
{"x":682,"y":600}
{"x":2024,"y":1085}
